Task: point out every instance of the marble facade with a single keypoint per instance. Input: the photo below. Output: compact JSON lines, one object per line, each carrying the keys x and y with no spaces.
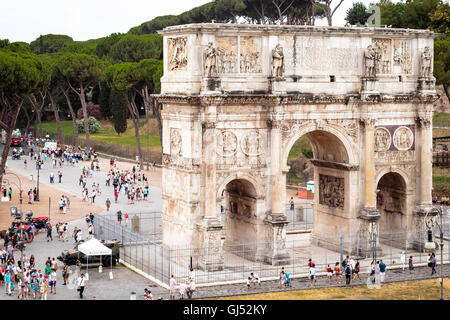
{"x":235,"y":98}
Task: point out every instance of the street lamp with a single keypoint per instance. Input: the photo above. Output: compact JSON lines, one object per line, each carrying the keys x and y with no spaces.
{"x":38,"y":169}
{"x":430,"y":222}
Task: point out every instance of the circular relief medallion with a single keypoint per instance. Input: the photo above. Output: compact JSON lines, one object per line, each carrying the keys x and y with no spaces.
{"x":252,"y":144}
{"x":226,"y":143}
{"x":403,"y":138}
{"x":382,"y":139}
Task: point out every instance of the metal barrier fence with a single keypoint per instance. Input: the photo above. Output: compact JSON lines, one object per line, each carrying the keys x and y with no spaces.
{"x":149,"y":255}
{"x":441,"y":124}
{"x":150,"y":223}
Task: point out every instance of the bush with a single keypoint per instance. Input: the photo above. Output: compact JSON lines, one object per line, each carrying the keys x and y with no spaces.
{"x":93,"y":110}
{"x":94,"y":125}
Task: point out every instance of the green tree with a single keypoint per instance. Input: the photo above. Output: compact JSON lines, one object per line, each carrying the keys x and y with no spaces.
{"x":440,"y":19}
{"x":357,"y":15}
{"x":80,"y":72}
{"x":442,"y":64}
{"x":50,"y":43}
{"x":20,"y":75}
{"x":104,"y":99}
{"x":131,"y":48}
{"x":119,"y":111}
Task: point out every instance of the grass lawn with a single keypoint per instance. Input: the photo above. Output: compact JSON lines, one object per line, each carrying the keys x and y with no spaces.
{"x":441,"y":116}
{"x":108,"y":135}
{"x":408,"y":290}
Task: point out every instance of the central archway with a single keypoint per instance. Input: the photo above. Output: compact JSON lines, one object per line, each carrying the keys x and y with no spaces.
{"x":334,"y":176}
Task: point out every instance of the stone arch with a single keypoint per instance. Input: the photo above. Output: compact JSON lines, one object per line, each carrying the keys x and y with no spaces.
{"x":392,"y":206}
{"x":399,"y":171}
{"x":239,"y":176}
{"x":339,"y":136}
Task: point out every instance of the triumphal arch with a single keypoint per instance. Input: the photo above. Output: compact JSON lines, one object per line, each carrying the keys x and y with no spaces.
{"x":236,"y":97}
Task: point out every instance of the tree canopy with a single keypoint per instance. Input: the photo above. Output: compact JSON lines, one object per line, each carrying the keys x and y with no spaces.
{"x":357,"y":14}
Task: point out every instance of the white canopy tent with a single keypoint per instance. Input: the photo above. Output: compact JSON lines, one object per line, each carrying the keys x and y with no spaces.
{"x":94,"y":247}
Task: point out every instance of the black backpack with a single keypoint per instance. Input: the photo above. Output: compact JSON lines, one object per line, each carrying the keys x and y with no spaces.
{"x":347,"y":270}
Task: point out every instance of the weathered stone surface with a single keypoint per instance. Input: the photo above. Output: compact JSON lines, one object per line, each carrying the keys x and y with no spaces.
{"x":230,"y":121}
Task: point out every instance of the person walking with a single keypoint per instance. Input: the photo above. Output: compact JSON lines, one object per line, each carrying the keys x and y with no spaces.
{"x":348,"y":274}
{"x":337,"y":272}
{"x":382,"y":267}
{"x":116,"y":195}
{"x":433,"y":264}
{"x":403,"y":260}
{"x":44,"y":290}
{"x":65,"y":273}
{"x":52,"y":177}
{"x":329,"y":273}
{"x":49,"y":232}
{"x":356,"y":273}
{"x":173,"y":287}
{"x":312,"y":275}
{"x":410,"y":264}
{"x":119,"y":217}
{"x":10,"y":193}
{"x":108,"y":204}
{"x":59,"y":176}
{"x":81,"y":284}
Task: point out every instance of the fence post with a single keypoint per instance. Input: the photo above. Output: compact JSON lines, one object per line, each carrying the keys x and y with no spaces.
{"x":341,"y":248}
{"x":357,"y":244}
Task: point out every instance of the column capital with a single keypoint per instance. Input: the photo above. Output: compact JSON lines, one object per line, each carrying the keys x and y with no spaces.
{"x":369,"y":213}
{"x":208,"y":125}
{"x":367,"y":122}
{"x":424,"y":122}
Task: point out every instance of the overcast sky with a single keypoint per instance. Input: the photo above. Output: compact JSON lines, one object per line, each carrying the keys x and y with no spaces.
{"x":25,"y":20}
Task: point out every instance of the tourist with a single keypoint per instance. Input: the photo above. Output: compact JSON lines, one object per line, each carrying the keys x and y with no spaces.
{"x":119,"y":217}
{"x":34,"y":286}
{"x":52,"y":177}
{"x":148,"y":294}
{"x":126,"y":218}
{"x":249,"y":281}
{"x":410,"y":264}
{"x":356,"y":271}
{"x":182,"y":290}
{"x":79,"y":236}
{"x":108,"y":204}
{"x":291,"y":202}
{"x":255,"y":280}
{"x":288,"y":279}
{"x":433,"y":264}
{"x":59,"y":176}
{"x":382,"y":266}
{"x":53,"y":281}
{"x":173,"y":287}
{"x":337,"y":272}
{"x":81,"y":282}
{"x":116,"y":195}
{"x":8,"y":282}
{"x":44,"y":290}
{"x":10,"y":193}
{"x":49,"y":232}
{"x":190,"y":289}
{"x":65,"y":273}
{"x":312,"y":275}
{"x":403,"y":260}
{"x":191,"y":274}
{"x":282,"y":279}
{"x":348,"y":273}
{"x":329,"y":273}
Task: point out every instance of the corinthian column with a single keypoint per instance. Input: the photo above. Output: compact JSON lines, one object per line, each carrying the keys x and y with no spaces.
{"x":276,"y":175}
{"x":208,"y":168}
{"x":426,"y":171}
{"x":369,"y":164}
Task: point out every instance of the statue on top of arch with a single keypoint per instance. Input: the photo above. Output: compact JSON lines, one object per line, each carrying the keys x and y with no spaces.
{"x":277,"y":61}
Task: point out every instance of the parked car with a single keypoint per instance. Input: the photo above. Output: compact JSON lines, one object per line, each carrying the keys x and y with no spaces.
{"x":70,"y":256}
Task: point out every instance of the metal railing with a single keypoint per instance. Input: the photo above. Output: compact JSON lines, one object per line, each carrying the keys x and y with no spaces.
{"x":149,"y":255}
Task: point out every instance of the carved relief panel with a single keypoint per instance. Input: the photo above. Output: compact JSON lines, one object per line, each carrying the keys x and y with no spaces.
{"x":402,"y":56}
{"x":331,"y":191}
{"x":226,"y":54}
{"x":403,"y":138}
{"x":226,"y":143}
{"x":250,"y":58}
{"x":383,"y":49}
{"x":175,"y":142}
{"x":177,"y":53}
{"x":252,"y":143}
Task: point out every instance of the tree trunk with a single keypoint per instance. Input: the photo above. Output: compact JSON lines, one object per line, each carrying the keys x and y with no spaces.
{"x":158,"y":118}
{"x":85,"y":115}
{"x":58,"y":122}
{"x":11,"y":127}
{"x":447,"y":90}
{"x":74,"y":118}
{"x":28,"y":120}
{"x":132,"y":108}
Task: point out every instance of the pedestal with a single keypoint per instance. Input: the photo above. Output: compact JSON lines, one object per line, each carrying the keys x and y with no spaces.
{"x":211,"y":85}
{"x":369,"y":217}
{"x":276,"y":252}
{"x":208,"y":255}
{"x":277,"y":85}
{"x":369,"y":89}
{"x":419,"y":237}
{"x":426,"y":85}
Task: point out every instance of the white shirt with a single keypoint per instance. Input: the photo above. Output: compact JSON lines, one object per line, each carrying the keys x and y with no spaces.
{"x":173,"y":283}
{"x":312,"y":271}
{"x":81,"y":282}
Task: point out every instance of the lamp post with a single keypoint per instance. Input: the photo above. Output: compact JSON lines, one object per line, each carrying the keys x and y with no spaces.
{"x":430,"y":222}
{"x":38,"y":169}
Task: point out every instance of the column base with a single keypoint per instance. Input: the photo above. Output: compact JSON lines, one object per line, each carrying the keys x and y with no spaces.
{"x":420,"y":237}
{"x":208,"y":254}
{"x":368,"y":232}
{"x":276,"y":252}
